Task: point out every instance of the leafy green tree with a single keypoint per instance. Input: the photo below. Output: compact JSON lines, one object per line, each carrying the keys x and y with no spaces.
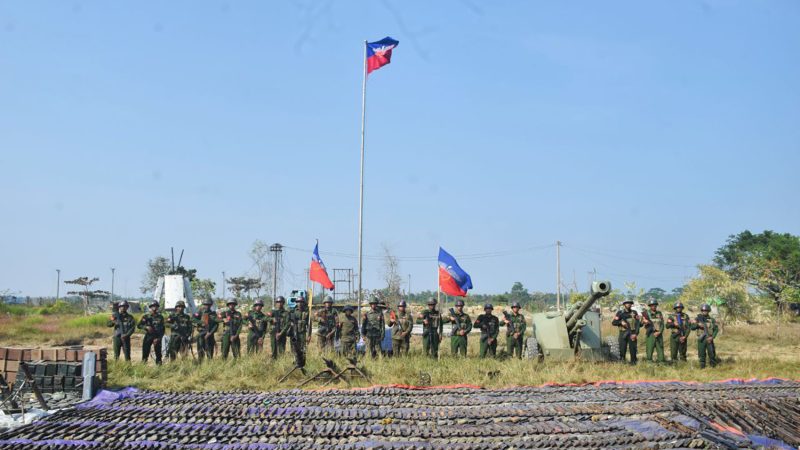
{"x":714,"y":285}
{"x":156,"y":267}
{"x":656,"y":293}
{"x":243,"y":285}
{"x":203,"y":288}
{"x":769,"y":262}
{"x":519,"y":294}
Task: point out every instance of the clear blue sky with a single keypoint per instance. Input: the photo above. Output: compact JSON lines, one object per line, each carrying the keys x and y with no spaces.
{"x":641,"y":134}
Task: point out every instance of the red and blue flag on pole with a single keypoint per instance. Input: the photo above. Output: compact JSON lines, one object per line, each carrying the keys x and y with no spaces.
{"x":379,"y":53}
{"x":318,"y":272}
{"x":452,"y":278}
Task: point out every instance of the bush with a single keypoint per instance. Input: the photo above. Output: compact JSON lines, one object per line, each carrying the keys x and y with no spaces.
{"x":95,"y":320}
{"x":16,"y":310}
{"x":60,"y":307}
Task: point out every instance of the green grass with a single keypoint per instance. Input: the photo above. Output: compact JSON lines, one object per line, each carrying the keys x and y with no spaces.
{"x":95,"y":320}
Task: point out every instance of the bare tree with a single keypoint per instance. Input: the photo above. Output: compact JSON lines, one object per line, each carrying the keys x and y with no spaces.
{"x":264,"y":267}
{"x":86,"y":295}
{"x":156,"y":268}
{"x":391,"y":275}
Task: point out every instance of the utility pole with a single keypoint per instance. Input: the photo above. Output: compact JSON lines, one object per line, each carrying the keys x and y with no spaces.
{"x":112,"y":284}
{"x":276,"y":249}
{"x":558,"y":275}
{"x":58,"y":284}
{"x":223,"y":286}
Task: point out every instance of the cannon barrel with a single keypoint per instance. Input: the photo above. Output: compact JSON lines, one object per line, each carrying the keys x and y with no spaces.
{"x":599,"y":289}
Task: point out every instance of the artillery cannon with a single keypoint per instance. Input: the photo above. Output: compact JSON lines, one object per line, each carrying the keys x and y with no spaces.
{"x":574,"y":333}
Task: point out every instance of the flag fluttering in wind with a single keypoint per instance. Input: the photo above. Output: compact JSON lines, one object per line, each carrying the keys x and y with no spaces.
{"x":452,"y":278}
{"x":379,"y":53}
{"x":317,"y":272}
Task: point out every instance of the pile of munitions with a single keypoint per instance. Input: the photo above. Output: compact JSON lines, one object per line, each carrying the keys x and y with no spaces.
{"x":640,"y":415}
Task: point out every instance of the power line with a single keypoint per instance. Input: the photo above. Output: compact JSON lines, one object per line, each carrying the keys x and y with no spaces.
{"x":465,"y":256}
{"x":625,"y":258}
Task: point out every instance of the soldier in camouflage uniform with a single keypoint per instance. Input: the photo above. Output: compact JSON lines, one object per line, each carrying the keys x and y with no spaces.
{"x":432,"y":327}
{"x":653,"y":321}
{"x":490,"y":328}
{"x":628,"y":325}
{"x":206,"y":323}
{"x":402,"y":323}
{"x":707,"y":331}
{"x":180,"y":325}
{"x":124,"y":325}
{"x":515,"y":330}
{"x":373,"y":327}
{"x":256,"y":327}
{"x":153,"y":326}
{"x":327,"y":324}
{"x":231,"y":327}
{"x":299,"y":320}
{"x":278,"y":327}
{"x":461,"y":326}
{"x":679,"y":324}
{"x":348,"y":332}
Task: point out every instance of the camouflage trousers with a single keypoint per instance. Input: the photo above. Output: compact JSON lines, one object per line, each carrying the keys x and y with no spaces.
{"x":325,"y":343}
{"x":488,"y":349}
{"x":678,"y":348}
{"x":374,"y":345}
{"x":514,"y":346}
{"x":348,"y":347}
{"x":122,"y":343}
{"x":458,"y":344}
{"x":400,"y":346}
{"x":277,"y":345}
{"x":230,"y":344}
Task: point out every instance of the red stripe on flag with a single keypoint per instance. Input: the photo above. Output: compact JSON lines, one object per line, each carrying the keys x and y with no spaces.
{"x":449,"y":285}
{"x":317,"y":273}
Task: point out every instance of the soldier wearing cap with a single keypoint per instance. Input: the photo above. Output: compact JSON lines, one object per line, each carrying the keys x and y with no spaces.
{"x":628,"y":325}
{"x":432,"y":327}
{"x":153,"y":326}
{"x":256,"y":327}
{"x":707,"y":331}
{"x":348,"y":332}
{"x":678,"y":340}
{"x":515,"y":330}
{"x":124,"y":326}
{"x":460,"y":328}
{"x":180,"y":325}
{"x":299,"y":322}
{"x":205,"y":321}
{"x":654,"y":324}
{"x":327,"y":325}
{"x":490,"y":328}
{"x":278,"y":327}
{"x":373,"y":327}
{"x":231,"y":327}
{"x":402,"y":323}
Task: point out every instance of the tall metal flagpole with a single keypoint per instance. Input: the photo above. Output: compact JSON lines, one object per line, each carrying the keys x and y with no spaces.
{"x":361,"y":189}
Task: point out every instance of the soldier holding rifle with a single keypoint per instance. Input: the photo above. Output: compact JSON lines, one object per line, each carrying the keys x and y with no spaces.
{"x":461,"y":326}
{"x":205,"y":321}
{"x":490,"y":328}
{"x":278,"y":327}
{"x":256,"y":327}
{"x":654,"y":327}
{"x":231,"y":327}
{"x":679,"y":324}
{"x":432,"y":327}
{"x":515,"y":330}
{"x":628,"y":325}
{"x":124,"y":325}
{"x":327,"y":324}
{"x":402,"y":323}
{"x":153,"y":326}
{"x":180,"y":325}
{"x":707,"y":331}
{"x":372,"y":326}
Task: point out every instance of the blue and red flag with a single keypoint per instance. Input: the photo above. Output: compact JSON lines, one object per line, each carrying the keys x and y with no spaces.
{"x":318,"y":272}
{"x":452,"y":278}
{"x":379,"y":53}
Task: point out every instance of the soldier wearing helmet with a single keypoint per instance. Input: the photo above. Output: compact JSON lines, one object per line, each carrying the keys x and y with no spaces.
{"x":180,"y":325}
{"x":256,"y":327}
{"x":460,"y":328}
{"x":432,"y":328}
{"x":278,"y":327}
{"x":489,"y":325}
{"x":124,"y":326}
{"x":402,"y":323}
{"x":205,"y":321}
{"x":515,"y":330}
{"x":679,"y":324}
{"x":348,"y":332}
{"x":707,"y":331}
{"x":653,"y":321}
{"x":628,"y":322}
{"x":153,"y":326}
{"x":373,"y":327}
{"x":231,"y":327}
{"x":298,"y":326}
{"x":327,"y":325}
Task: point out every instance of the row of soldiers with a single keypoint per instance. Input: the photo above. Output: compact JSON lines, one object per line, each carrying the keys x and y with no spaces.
{"x":679,"y":326}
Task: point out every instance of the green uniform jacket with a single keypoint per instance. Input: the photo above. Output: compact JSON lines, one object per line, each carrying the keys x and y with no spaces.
{"x":205,"y":322}
{"x":124,"y":324}
{"x":348,"y":328}
{"x":180,"y":324}
{"x":278,"y":321}
{"x":624,"y":316}
{"x":517,"y":325}
{"x":152,"y":324}
{"x":679,"y":323}
{"x":257,"y":323}
{"x":654,"y":321}
{"x":460,"y":322}
{"x":298,"y":318}
{"x":373,"y":325}
{"x":705,"y":326}
{"x":435,"y":324}
{"x":402,"y":325}
{"x":327,"y":322}
{"x":231,"y":322}
{"x":489,"y":326}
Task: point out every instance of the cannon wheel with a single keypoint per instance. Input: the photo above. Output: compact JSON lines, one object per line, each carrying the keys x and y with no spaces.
{"x":613,"y":348}
{"x":532,"y":349}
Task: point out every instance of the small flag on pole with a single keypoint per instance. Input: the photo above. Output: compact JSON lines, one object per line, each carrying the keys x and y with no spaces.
{"x":452,"y":278}
{"x":317,"y":272}
{"x":379,"y":53}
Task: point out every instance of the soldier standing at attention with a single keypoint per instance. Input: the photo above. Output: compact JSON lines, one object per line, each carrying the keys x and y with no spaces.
{"x":679,"y":324}
{"x":153,"y":326}
{"x":515,"y":331}
{"x":231,"y":327}
{"x":206,"y":323}
{"x":461,"y":326}
{"x":432,"y":327}
{"x":278,"y":325}
{"x":180,"y":325}
{"x":628,"y":330}
{"x":372,"y":326}
{"x":327,"y":324}
{"x":124,"y":325}
{"x":654,"y":326}
{"x":490,"y":328}
{"x":256,"y":327}
{"x":402,"y":323}
{"x":707,"y":331}
{"x":299,"y":320}
{"x":348,"y":332}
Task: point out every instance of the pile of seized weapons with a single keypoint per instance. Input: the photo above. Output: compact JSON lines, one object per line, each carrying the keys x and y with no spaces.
{"x":641,"y":415}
